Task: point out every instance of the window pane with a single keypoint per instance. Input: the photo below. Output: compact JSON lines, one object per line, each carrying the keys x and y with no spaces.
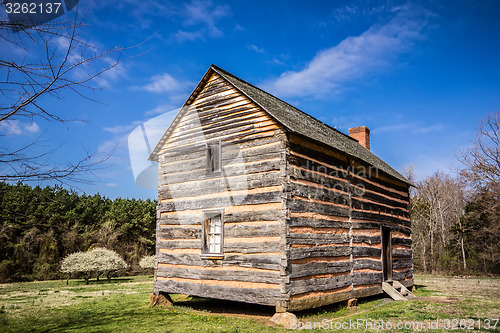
{"x":214,"y":235}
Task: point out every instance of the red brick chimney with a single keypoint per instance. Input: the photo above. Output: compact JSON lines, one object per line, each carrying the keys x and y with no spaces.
{"x":362,"y":134}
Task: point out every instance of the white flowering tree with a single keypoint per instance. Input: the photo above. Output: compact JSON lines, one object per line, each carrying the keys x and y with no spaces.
{"x":78,"y":262}
{"x":98,"y":260}
{"x":106,"y":261}
{"x":147,"y":262}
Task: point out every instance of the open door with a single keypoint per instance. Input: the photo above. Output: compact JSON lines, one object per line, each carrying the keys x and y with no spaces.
{"x":386,"y":253}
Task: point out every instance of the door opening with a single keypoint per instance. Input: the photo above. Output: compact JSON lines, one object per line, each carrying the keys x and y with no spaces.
{"x":386,"y":253}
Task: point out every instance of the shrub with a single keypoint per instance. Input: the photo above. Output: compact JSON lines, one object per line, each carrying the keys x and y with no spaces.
{"x":97,"y":260}
{"x":78,"y":262}
{"x":106,"y":261}
{"x":147,"y":262}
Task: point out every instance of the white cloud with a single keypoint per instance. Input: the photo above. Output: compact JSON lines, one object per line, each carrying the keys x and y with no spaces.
{"x":255,"y":48}
{"x":164,"y":83}
{"x":200,"y":20}
{"x":32,"y":128}
{"x":411,"y":128}
{"x":354,"y":58}
{"x":16,"y":127}
{"x":122,"y":129}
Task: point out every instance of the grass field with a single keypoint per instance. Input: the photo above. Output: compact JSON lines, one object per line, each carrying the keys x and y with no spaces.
{"x":123,"y":305}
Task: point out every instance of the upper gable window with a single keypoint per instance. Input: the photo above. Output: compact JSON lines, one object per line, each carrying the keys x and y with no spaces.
{"x":214,"y":157}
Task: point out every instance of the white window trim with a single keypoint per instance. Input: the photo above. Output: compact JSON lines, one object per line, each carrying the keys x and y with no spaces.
{"x":205,"y":248}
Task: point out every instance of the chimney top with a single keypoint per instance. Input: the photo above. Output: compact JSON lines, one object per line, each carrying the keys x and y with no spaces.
{"x":362,"y":134}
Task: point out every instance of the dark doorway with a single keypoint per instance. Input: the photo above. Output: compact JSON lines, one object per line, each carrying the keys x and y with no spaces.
{"x":386,"y":253}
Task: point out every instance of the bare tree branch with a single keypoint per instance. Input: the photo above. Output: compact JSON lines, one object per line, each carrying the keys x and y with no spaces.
{"x":483,"y":159}
{"x":56,"y":60}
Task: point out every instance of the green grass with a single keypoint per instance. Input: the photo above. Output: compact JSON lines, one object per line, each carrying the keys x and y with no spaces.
{"x":123,"y":305}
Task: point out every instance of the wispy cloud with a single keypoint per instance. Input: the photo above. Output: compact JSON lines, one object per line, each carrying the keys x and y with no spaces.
{"x":255,"y":48}
{"x":16,"y":127}
{"x":409,"y":127}
{"x":374,"y":51}
{"x":164,"y":83}
{"x":200,"y":20}
{"x":122,"y":129}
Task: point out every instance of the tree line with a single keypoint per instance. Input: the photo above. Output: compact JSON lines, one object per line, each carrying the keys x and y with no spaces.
{"x":456,"y":218}
{"x":40,"y":226}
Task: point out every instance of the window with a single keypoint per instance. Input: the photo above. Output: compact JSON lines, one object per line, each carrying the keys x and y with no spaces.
{"x":213,"y":234}
{"x":214,"y":157}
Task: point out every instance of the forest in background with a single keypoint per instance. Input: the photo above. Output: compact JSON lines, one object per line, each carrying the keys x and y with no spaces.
{"x":40,"y":226}
{"x":455,"y":220}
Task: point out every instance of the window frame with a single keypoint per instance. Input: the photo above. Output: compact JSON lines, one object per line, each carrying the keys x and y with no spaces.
{"x":214,"y":153}
{"x":205,"y":246}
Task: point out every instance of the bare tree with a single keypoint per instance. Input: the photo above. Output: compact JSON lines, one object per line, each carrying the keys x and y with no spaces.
{"x":483,"y":159}
{"x":437,"y":205}
{"x":50,"y":60}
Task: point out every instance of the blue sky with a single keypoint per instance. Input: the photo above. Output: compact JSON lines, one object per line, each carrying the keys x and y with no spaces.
{"x":419,"y":74}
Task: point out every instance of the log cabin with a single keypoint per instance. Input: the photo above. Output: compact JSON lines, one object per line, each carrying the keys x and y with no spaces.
{"x":259,"y":202}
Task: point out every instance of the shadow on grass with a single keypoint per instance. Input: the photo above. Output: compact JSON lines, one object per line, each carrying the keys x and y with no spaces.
{"x":217,"y":306}
{"x":101,"y":281}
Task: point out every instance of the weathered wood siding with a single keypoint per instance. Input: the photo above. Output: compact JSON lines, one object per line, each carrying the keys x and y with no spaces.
{"x":249,"y":190}
{"x":379,"y":201}
{"x":336,"y":210}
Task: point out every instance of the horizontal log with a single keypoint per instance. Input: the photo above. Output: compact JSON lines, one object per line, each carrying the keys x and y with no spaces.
{"x":362,"y":251}
{"x":222,"y":275}
{"x":323,"y":251}
{"x":249,"y":199}
{"x":317,"y":299}
{"x":375,"y":217}
{"x":327,"y":157}
{"x":367,"y":264}
{"x":269,"y":229}
{"x":179,"y":233}
{"x":320,"y":223}
{"x":227,"y":134}
{"x":317,"y":192}
{"x":402,"y":263}
{"x":237,"y":169}
{"x":402,"y":275}
{"x":251,"y":215}
{"x":224,"y":193}
{"x":172,"y":148}
{"x":371,"y":290}
{"x":172,"y":165}
{"x":265,"y":261}
{"x":312,"y":268}
{"x":316,"y":159}
{"x":367,"y":278}
{"x":374,"y":206}
{"x":335,"y":184}
{"x":317,"y":239}
{"x":299,"y":205}
{"x":366,"y":239}
{"x":401,"y":241}
{"x":248,"y":295}
{"x":258,"y":244}
{"x":402,"y":253}
{"x":377,"y":225}
{"x":319,"y":284}
{"x":196,"y":128}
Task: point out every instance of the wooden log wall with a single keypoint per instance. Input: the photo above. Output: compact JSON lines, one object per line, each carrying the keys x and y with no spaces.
{"x":249,"y":189}
{"x":335,"y":217}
